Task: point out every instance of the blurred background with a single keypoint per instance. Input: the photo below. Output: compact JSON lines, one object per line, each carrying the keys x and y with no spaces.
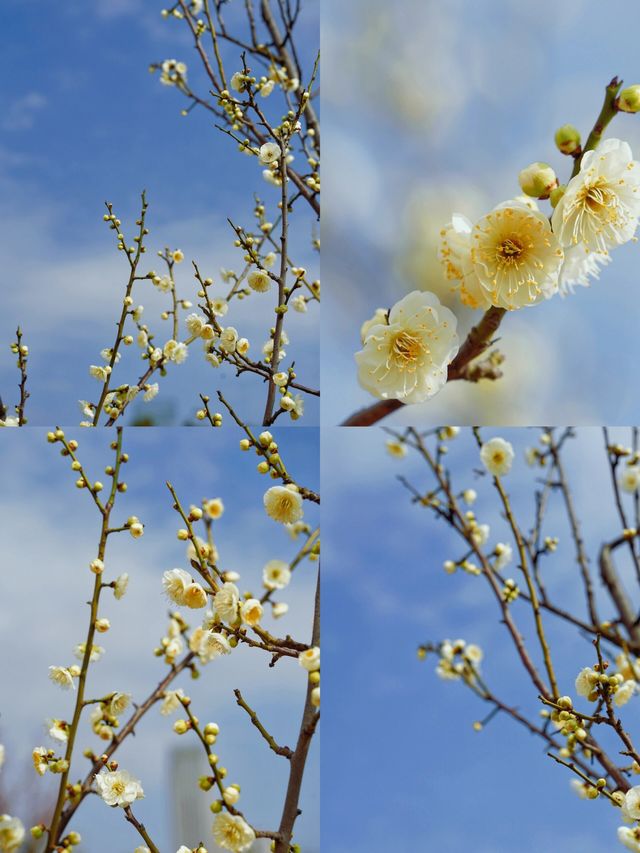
{"x":418,"y":777}
{"x":434,"y":108}
{"x":49,"y":532}
{"x":82,"y":122}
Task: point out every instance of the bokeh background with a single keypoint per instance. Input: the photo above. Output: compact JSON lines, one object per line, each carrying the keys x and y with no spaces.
{"x":403,"y":768}
{"x":435,"y":107}
{"x":49,"y":532}
{"x":83,"y":121}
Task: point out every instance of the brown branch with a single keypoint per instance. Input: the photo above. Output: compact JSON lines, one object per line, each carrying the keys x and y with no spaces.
{"x":310,"y":717}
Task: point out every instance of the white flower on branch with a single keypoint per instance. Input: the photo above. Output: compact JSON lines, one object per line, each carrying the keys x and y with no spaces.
{"x":174,"y":73}
{"x":586,"y":681}
{"x":454,"y":252}
{"x":624,"y":693}
{"x":251,"y":612}
{"x":515,"y":256}
{"x":629,"y":838}
{"x":61,"y":676}
{"x":96,"y":652}
{"x":310,"y":659}
{"x":276,"y":574}
{"x":120,"y":585}
{"x":601,"y":205}
{"x":232,"y":832}
{"x":171,"y":701}
{"x":283,"y":504}
{"x":630,"y":478}
{"x":497,"y":456}
{"x":229,"y":339}
{"x":226,"y":602}
{"x":209,"y":645}
{"x":406,"y":358}
{"x":270,"y":153}
{"x":118,"y":787}
{"x":12,"y":833}
{"x":213,"y":508}
{"x":259,"y":281}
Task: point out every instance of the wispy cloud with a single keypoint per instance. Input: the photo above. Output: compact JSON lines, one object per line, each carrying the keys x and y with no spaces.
{"x":22,"y":113}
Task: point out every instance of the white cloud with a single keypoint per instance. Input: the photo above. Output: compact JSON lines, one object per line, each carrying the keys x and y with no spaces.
{"x":21,"y":114}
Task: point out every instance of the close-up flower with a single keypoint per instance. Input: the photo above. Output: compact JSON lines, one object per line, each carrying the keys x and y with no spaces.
{"x":118,"y":787}
{"x":601,"y":204}
{"x":407,"y":357}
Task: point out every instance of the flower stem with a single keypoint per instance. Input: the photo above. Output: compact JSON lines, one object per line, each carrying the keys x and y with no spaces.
{"x":608,"y":111}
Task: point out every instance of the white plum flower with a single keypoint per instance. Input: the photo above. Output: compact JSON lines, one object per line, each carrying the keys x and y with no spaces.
{"x":283,"y":504}
{"x":585,"y":681}
{"x":61,"y":676}
{"x":259,"y":280}
{"x":212,"y":644}
{"x":232,"y":832}
{"x":630,"y":478}
{"x":454,"y":252}
{"x":629,"y":838}
{"x":515,"y":255}
{"x":171,"y":701}
{"x":226,"y":602}
{"x":229,"y":339}
{"x":195,"y":324}
{"x":174,"y":73}
{"x":624,"y":693}
{"x":310,"y":659}
{"x":504,"y":553}
{"x":276,"y":574}
{"x":251,"y":611}
{"x":631,"y":806}
{"x":407,"y":357}
{"x":12,"y":833}
{"x":601,"y":204}
{"x":497,"y":456}
{"x":269,"y":153}
{"x":118,"y":787}
{"x":150,"y":392}
{"x":175,"y":583}
{"x":120,"y":585}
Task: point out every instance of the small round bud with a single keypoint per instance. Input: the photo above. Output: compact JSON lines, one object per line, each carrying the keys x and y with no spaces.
{"x":556,"y":194}
{"x":629,"y":99}
{"x":537,"y":180}
{"x":568,"y":139}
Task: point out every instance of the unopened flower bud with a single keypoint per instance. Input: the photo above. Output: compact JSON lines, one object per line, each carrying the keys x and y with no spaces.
{"x":537,"y":180}
{"x":568,"y":139}
{"x":629,"y":99}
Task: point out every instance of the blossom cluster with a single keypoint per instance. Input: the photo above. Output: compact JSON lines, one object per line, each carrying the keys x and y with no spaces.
{"x":514,"y":256}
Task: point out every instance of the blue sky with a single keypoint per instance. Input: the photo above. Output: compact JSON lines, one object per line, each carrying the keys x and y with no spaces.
{"x":402,"y":767}
{"x":447,"y":102}
{"x":84,"y":122}
{"x":49,"y":530}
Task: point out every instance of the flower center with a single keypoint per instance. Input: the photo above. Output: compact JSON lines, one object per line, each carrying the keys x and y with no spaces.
{"x":509,"y":251}
{"x":406,"y":348}
{"x":118,"y":787}
{"x":597,"y":197}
